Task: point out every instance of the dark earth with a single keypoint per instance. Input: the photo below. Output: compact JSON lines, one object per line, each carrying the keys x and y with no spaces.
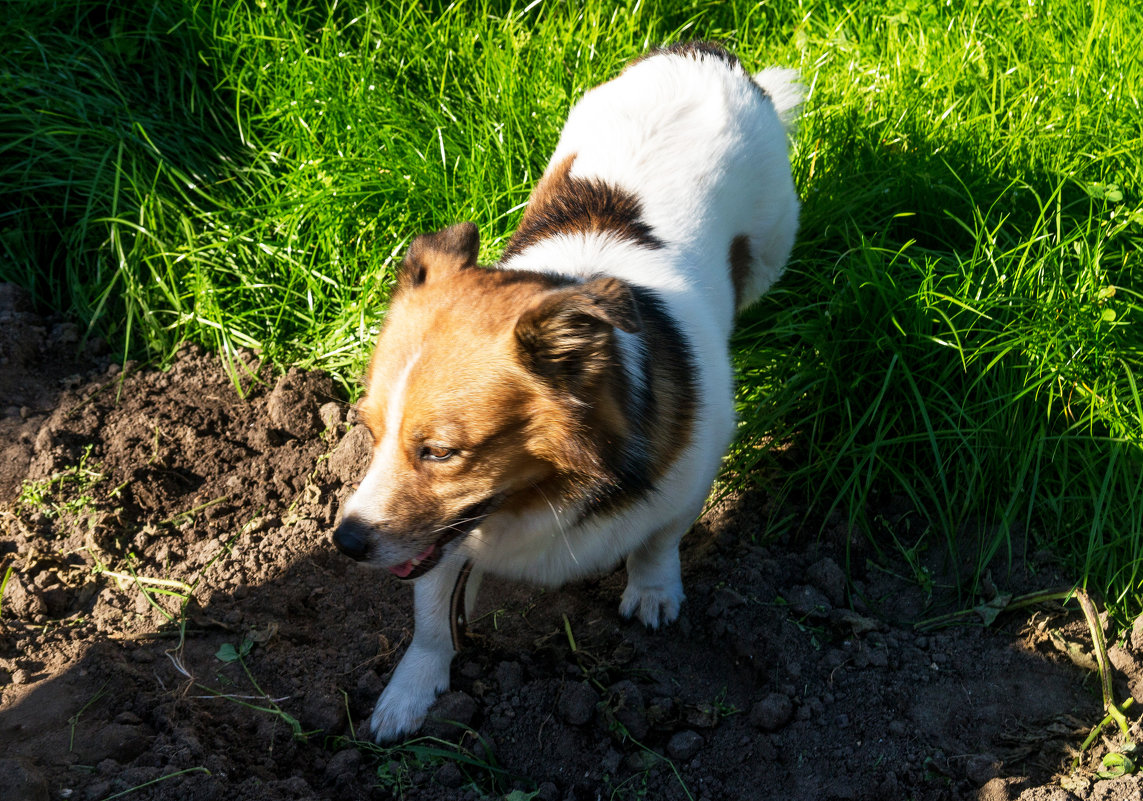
{"x":177,"y":625}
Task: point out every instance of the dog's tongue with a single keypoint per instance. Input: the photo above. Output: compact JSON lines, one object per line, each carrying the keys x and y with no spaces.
{"x":405,"y":568}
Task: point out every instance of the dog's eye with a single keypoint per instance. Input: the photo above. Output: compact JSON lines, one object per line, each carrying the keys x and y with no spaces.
{"x":435,"y":453}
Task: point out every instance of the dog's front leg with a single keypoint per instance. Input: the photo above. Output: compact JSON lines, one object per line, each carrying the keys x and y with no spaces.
{"x":422,"y":673}
{"x":654,"y":590}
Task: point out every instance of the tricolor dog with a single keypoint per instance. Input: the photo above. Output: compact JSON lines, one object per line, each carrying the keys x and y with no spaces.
{"x":569,"y":407}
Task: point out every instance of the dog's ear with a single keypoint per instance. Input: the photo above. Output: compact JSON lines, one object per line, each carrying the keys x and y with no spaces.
{"x":566,"y":334}
{"x":438,"y":254}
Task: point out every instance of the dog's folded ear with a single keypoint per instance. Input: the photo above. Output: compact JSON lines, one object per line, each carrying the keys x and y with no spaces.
{"x":438,"y":254}
{"x":566,"y":334}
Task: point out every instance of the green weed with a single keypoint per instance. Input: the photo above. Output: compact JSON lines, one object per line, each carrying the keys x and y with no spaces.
{"x":229,"y":653}
{"x":75,"y":482}
{"x":4,"y":586}
{"x":397,"y":763}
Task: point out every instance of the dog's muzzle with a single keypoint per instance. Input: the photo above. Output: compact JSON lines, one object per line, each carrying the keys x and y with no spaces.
{"x":352,"y":538}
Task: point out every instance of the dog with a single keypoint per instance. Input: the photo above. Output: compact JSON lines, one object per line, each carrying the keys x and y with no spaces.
{"x":570,"y":407}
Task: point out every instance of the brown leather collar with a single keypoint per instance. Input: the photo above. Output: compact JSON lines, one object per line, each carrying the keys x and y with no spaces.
{"x":458,"y":620}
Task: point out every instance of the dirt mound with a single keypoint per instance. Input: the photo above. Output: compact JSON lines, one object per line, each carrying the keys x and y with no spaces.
{"x":177,"y":624}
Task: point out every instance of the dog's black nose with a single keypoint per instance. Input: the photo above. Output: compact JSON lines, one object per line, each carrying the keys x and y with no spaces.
{"x":352,"y":539}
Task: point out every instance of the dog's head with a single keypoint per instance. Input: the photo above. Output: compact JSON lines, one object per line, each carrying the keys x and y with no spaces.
{"x":488,"y":391}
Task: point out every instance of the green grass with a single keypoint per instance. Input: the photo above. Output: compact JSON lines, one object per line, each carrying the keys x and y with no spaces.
{"x":959,"y":330}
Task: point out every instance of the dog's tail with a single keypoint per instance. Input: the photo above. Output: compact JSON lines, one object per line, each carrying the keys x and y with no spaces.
{"x":785,"y":89}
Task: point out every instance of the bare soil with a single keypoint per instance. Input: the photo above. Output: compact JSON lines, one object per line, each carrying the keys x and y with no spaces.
{"x":177,"y":625}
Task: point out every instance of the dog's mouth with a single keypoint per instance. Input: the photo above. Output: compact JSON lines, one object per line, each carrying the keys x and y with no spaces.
{"x":462,"y":526}
{"x":420,"y":564}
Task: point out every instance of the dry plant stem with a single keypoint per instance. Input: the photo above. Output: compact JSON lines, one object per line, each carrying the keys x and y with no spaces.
{"x":1102,"y":661}
{"x":129,"y":790}
{"x":969,"y":615}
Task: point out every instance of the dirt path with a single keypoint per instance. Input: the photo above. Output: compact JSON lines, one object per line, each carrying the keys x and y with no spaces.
{"x":176,"y":611}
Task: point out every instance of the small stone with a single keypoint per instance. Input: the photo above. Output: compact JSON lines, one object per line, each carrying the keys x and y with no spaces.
{"x":450,"y":715}
{"x":20,"y":779}
{"x":611,"y":760}
{"x":1137,"y":635}
{"x":331,"y":414}
{"x":826,"y":576}
{"x":772,"y":712}
{"x":625,"y":704}
{"x":640,"y":760}
{"x":981,"y":768}
{"x":343,"y":764}
{"x":577,"y":703}
{"x":660,"y":711}
{"x":22,"y":598}
{"x":324,"y":711}
{"x":122,"y":743}
{"x":684,"y":745}
{"x":350,"y":459}
{"x":852,"y":621}
{"x":724,"y":598}
{"x":701,"y":716}
{"x":449,"y":776}
{"x":807,"y":601}
{"x":548,"y":791}
{"x":65,"y":333}
{"x":141,"y":656}
{"x":889,"y":787}
{"x":1008,"y":789}
{"x":293,"y":403}
{"x":510,"y":676}
{"x":100,"y":789}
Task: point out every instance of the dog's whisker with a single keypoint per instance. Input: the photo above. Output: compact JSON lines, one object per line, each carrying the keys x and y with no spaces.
{"x":559,"y":522}
{"x":456,"y":524}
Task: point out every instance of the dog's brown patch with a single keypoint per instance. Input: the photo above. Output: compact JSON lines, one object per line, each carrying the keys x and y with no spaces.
{"x":439,"y":253}
{"x":671,"y":372}
{"x":567,"y":336}
{"x":658,"y":411}
{"x":693,"y":49}
{"x":561,"y":204}
{"x":520,"y":433}
{"x":740,"y":262}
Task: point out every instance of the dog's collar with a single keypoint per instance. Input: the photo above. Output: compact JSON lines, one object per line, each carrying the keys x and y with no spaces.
{"x":457,"y":616}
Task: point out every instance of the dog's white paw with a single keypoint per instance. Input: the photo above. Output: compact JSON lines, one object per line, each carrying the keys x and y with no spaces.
{"x":399,"y":712}
{"x":654,"y":606}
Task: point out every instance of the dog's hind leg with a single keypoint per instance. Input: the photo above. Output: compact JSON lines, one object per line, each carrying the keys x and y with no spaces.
{"x":423,"y":672}
{"x":654,"y":576}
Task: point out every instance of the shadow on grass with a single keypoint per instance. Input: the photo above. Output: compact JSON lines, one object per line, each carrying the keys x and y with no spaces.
{"x":941,"y":343}
{"x":111,"y":120}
